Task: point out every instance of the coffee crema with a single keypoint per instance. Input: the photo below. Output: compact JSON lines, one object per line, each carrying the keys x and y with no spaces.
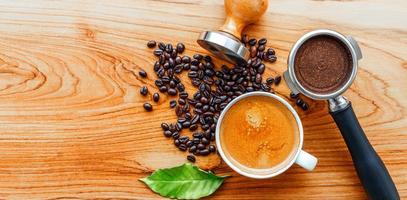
{"x":323,"y":64}
{"x":259,"y":132}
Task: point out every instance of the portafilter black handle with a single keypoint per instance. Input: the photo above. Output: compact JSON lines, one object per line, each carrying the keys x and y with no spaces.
{"x":370,"y":168}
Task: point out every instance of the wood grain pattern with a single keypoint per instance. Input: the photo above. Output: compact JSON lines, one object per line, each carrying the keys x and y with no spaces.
{"x":71,"y":117}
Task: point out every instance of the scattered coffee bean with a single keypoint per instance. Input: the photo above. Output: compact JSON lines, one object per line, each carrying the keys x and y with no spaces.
{"x":151,"y":44}
{"x":148,"y":106}
{"x":173,"y":103}
{"x":172,"y":92}
{"x":142,"y":73}
{"x":252,"y":42}
{"x":182,"y":147}
{"x":277,"y":80}
{"x":165,"y":126}
{"x":294,"y":95}
{"x":299,"y":102}
{"x":212,"y":148}
{"x":144,"y":90}
{"x":204,"y":152}
{"x":180,"y":48}
{"x":304,"y":106}
{"x":191,"y":158}
{"x":167,"y":133}
{"x":156,"y":97}
{"x":262,"y":41}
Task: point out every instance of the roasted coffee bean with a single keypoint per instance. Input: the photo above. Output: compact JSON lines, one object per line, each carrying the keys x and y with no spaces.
{"x":180,"y":47}
{"x":178,"y":69}
{"x":193,"y":127}
{"x":142,"y":73}
{"x":168,"y":48}
{"x":261,"y":69}
{"x":260,"y":49}
{"x":299,"y":102}
{"x":294,"y":95}
{"x":205,"y":141}
{"x":212,"y":148}
{"x":178,"y":126}
{"x":181,"y":101}
{"x":175,"y":135}
{"x":262,"y":41}
{"x":304,"y":106}
{"x":186,"y":66}
{"x":144,"y":90}
{"x":183,"y":95}
{"x":165,"y":126}
{"x":180,"y":87}
{"x":190,"y":143}
{"x":198,"y":56}
{"x":158,"y":52}
{"x":181,"y":120}
{"x":173,"y":103}
{"x":271,"y":51}
{"x":252,"y":42}
{"x":270,"y":80}
{"x":258,"y":78}
{"x":156,"y":97}
{"x":148,"y":106}
{"x":192,"y":149}
{"x":197,"y":135}
{"x":265,"y":87}
{"x":196,"y":140}
{"x":177,"y":142}
{"x":271,"y":58}
{"x":186,"y":59}
{"x":204,"y":152}
{"x":151,"y":44}
{"x":172,"y":92}
{"x":277,"y":80}
{"x":167,"y":133}
{"x":201,"y":146}
{"x":183,"y":139}
{"x":253,"y":51}
{"x":163,"y":88}
{"x":191,"y":158}
{"x":182,"y":147}
{"x":161,"y":46}
{"x":186,"y":124}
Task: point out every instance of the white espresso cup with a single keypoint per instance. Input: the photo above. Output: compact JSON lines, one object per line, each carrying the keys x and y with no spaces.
{"x":298,"y":156}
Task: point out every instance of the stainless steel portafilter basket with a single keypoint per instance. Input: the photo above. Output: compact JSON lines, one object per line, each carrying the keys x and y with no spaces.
{"x":370,"y":168}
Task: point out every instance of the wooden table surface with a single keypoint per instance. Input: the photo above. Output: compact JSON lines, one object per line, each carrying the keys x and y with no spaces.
{"x":71,"y":117}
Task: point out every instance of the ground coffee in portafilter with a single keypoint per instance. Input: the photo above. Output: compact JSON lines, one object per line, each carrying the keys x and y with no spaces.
{"x":323,"y":64}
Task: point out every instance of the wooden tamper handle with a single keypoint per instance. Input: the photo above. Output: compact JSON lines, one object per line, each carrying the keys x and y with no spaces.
{"x":240,"y":13}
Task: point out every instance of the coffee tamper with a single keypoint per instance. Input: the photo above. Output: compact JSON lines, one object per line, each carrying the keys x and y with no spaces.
{"x":225,"y":43}
{"x":370,"y":168}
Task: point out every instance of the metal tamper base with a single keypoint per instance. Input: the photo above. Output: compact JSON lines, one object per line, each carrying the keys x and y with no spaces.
{"x":224,"y":46}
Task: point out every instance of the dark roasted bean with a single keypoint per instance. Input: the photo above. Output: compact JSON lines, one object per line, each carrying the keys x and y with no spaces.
{"x":186,"y":59}
{"x":175,"y":135}
{"x":193,"y":127}
{"x":186,"y":124}
{"x":270,"y":80}
{"x":161,"y":46}
{"x":180,"y":87}
{"x":167,"y":133}
{"x":277,"y":80}
{"x":151,"y":44}
{"x":180,"y":47}
{"x":252,"y":42}
{"x":163,"y":88}
{"x":304,"y":106}
{"x":142,"y":73}
{"x":261,"y":49}
{"x":261,"y":69}
{"x":204,"y":152}
{"x":245,"y":39}
{"x":299,"y":102}
{"x":182,"y":147}
{"x":183,"y":139}
{"x":197,"y":135}
{"x":183,"y":95}
{"x":201,"y":146}
{"x":181,"y":101}
{"x":173,"y":103}
{"x":191,"y":158}
{"x":262,"y":41}
{"x":148,"y":106}
{"x":198,"y":56}
{"x":192,"y":148}
{"x":156,"y":97}
{"x":158,"y":52}
{"x":271,"y":58}
{"x":177,"y":142}
{"x":212,"y":148}
{"x":190,"y":143}
{"x":172,"y":92}
{"x":294,"y":95}
{"x":165,"y":126}
{"x":271,"y":51}
{"x":144,"y":90}
{"x":196,"y":140}
{"x":205,"y":141}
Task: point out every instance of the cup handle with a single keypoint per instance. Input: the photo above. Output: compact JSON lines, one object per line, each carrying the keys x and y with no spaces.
{"x":306,"y":160}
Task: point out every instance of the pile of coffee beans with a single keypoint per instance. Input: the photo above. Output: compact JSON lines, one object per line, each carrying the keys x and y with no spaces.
{"x":215,"y":88}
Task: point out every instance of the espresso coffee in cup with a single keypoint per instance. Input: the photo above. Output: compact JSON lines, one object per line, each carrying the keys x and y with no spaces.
{"x":260,"y":135}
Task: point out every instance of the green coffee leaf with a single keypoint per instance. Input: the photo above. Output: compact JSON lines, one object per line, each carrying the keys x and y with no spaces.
{"x":183,"y":182}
